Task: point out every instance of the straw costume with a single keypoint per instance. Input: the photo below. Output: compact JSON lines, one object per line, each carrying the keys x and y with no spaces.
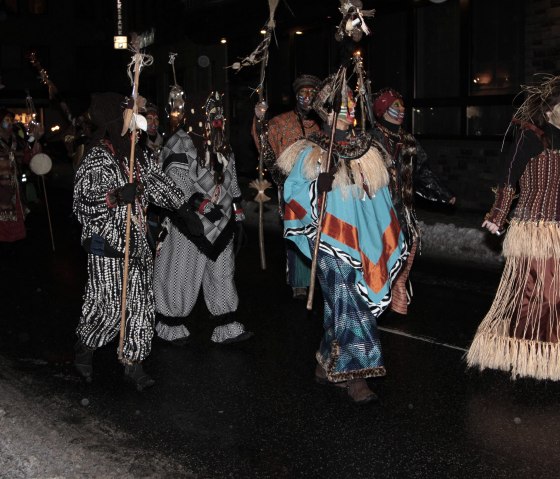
{"x":520,"y":334}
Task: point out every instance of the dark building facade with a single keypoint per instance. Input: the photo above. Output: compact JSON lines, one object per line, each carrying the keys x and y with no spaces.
{"x":459,"y":63}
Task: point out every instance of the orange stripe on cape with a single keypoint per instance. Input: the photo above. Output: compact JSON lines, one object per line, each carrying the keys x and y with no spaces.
{"x":375,"y":274}
{"x":294,"y":211}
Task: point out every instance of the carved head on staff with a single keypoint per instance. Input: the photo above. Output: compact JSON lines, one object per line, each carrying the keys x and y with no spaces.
{"x":324,"y":101}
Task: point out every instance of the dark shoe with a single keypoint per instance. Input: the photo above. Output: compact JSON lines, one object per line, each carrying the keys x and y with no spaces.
{"x":83,"y":360}
{"x":134,"y":374}
{"x":359,"y":392}
{"x":321,"y":378}
{"x":299,"y":293}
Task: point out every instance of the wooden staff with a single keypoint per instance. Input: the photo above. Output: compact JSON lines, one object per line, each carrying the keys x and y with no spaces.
{"x":336,"y":109}
{"x":48,"y":212}
{"x":137,"y":66}
{"x":261,"y":184}
{"x":262,"y":197}
{"x":364,"y":92}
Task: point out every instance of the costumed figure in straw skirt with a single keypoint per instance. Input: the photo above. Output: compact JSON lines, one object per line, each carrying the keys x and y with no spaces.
{"x":186,"y":263}
{"x":361,"y":244}
{"x":521,"y":332}
{"x":101,"y":195}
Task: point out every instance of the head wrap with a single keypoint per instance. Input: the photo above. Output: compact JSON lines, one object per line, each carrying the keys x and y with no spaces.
{"x":384,"y":99}
{"x":151,"y":108}
{"x":305,"y":80}
{"x":106,"y":113}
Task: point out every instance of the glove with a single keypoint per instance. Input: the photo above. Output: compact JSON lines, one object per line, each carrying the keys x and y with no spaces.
{"x":205,"y":207}
{"x":325,"y":181}
{"x":240,"y":237}
{"x":190,"y":220}
{"x":124,"y":195}
{"x":213,"y":212}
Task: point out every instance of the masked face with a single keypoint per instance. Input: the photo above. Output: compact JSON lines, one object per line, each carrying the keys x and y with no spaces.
{"x":153,"y":123}
{"x":554,"y":115}
{"x":347,"y":113}
{"x":305,"y":97}
{"x":395,"y":113}
{"x":7,"y":123}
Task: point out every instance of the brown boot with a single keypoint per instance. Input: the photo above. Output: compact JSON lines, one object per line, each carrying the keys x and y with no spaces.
{"x":321,"y":378}
{"x":359,"y":392}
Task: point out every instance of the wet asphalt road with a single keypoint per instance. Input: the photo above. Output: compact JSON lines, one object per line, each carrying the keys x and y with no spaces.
{"x":253,"y":409}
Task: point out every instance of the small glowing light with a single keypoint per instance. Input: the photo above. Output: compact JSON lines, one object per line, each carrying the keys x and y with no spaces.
{"x":263,"y":32}
{"x":299,"y":32}
{"x":358,"y":53}
{"x":55,"y":128}
{"x":223,"y":40}
{"x":120,"y":42}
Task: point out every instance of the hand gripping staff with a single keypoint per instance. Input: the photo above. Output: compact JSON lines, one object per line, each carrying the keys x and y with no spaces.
{"x":132,"y":121}
{"x":337,"y":101}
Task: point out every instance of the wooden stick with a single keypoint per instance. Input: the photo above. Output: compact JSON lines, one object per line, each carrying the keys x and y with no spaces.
{"x":261,"y":157}
{"x":48,"y":212}
{"x":311,"y":291}
{"x":137,"y":61}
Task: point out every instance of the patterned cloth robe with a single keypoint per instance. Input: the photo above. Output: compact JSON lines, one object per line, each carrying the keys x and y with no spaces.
{"x":521,"y":332}
{"x":362,"y":249}
{"x":12,"y":217}
{"x":283,"y":131}
{"x":103,"y":236}
{"x":403,"y":149}
{"x":409,"y":175}
{"x":184,"y":263}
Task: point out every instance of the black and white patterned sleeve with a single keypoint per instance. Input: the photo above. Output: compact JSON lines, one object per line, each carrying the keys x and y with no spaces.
{"x":94,"y":179}
{"x":162,"y":190}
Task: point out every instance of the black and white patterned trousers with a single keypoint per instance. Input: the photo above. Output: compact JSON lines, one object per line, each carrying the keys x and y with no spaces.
{"x":101,"y":311}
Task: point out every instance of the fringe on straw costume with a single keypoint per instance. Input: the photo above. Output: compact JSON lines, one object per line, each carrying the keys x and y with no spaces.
{"x":99,"y":179}
{"x":184,"y":263}
{"x":361,"y":251}
{"x":521,"y":332}
{"x":409,"y":174}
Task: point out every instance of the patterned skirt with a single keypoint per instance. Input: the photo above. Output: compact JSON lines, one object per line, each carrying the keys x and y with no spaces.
{"x":520,"y":334}
{"x":350,"y":347}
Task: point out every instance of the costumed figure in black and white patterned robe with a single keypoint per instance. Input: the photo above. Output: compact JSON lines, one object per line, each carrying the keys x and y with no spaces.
{"x":184,"y":263}
{"x":101,"y":195}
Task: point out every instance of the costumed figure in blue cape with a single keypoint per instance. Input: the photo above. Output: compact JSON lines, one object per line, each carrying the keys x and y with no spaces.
{"x":361,"y":248}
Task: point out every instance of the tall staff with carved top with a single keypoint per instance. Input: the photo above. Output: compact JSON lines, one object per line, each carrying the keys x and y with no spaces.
{"x":131,"y":123}
{"x":260,"y":55}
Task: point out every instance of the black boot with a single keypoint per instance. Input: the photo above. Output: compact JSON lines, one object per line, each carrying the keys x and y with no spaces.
{"x":134,"y":374}
{"x":83,"y":359}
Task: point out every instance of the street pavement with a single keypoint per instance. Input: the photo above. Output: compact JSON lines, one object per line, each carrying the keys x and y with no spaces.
{"x":252,"y":410}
